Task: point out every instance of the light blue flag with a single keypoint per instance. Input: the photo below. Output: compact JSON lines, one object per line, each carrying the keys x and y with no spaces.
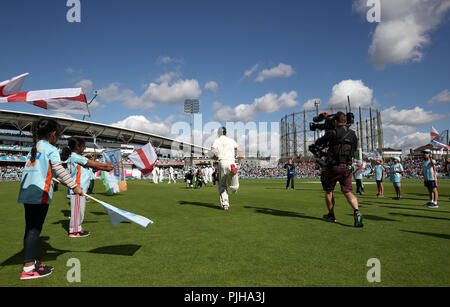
{"x":117,"y":215}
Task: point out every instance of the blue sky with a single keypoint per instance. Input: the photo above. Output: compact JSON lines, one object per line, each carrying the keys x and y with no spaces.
{"x":306,"y":47}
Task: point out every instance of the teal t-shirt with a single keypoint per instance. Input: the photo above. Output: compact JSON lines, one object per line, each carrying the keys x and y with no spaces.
{"x":77,"y":170}
{"x":429,"y":172}
{"x":36,"y":184}
{"x":395,"y":177}
{"x":379,"y":169}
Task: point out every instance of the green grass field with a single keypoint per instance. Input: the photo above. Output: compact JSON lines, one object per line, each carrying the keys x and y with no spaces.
{"x":270,"y":237}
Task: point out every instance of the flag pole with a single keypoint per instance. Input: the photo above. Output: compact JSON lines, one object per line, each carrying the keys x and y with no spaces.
{"x":88,"y":196}
{"x":95,"y":95}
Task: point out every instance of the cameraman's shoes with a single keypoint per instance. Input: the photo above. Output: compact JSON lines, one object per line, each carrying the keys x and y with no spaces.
{"x":329,"y":218}
{"x":358,"y":219}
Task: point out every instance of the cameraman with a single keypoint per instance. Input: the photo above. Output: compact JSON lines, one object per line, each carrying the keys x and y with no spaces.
{"x":341,"y":143}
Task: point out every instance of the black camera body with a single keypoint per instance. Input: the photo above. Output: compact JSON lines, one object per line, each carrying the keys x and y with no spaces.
{"x":328,"y":124}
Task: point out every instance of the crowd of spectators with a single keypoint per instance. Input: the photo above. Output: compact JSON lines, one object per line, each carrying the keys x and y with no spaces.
{"x":413,"y":168}
{"x":10,"y":173}
{"x":12,"y":157}
{"x":310,"y":170}
{"x":302,"y":170}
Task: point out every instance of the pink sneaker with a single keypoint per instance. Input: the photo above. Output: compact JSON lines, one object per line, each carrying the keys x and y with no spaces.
{"x":80,"y":234}
{"x":37,"y":272}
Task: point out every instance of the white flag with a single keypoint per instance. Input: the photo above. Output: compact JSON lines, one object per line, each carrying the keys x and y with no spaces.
{"x":12,"y":86}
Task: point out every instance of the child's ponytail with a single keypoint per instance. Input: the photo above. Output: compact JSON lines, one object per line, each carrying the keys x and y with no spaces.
{"x":34,"y":148}
{"x":41,"y":129}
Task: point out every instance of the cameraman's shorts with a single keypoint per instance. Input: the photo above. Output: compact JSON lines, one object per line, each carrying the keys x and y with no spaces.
{"x":337,"y":173}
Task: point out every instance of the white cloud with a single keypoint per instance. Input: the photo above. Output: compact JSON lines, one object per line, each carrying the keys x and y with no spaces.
{"x":141,"y":123}
{"x":443,"y":96}
{"x":176,"y":92}
{"x":72,"y":71}
{"x":250,"y":71}
{"x":400,"y":126}
{"x":413,"y":117}
{"x":212,"y":86}
{"x":267,"y":104}
{"x":280,"y":71}
{"x":167,"y":77}
{"x":86,"y":85}
{"x":310,"y":104}
{"x":407,"y":142}
{"x":163,"y":93}
{"x":216,"y":105}
{"x":404,"y":30}
{"x":360,"y":95}
{"x":168,"y":60}
{"x":114,"y":93}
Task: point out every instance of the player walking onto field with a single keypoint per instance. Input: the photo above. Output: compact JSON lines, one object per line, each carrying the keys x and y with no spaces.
{"x":171,"y":175}
{"x":36,"y":191}
{"x":155,"y":174}
{"x":161,"y":174}
{"x":224,"y":149}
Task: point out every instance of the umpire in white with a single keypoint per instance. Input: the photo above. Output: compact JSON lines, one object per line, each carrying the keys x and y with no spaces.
{"x":224,"y":150}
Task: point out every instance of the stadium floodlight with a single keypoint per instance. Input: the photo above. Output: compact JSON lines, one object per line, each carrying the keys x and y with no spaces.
{"x":191,"y":106}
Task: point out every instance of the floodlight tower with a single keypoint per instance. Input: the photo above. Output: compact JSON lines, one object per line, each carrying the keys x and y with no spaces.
{"x":191,"y":106}
{"x":316,"y":104}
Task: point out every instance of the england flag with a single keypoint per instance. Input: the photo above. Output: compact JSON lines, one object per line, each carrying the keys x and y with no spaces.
{"x":144,"y":158}
{"x":12,"y":85}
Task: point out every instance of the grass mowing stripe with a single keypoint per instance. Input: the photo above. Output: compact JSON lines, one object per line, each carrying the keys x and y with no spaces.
{"x":270,"y":237}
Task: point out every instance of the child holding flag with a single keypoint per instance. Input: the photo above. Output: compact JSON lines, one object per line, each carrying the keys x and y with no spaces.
{"x":36,"y":191}
{"x":430,"y":179}
{"x":78,"y":170}
{"x":395,"y":175}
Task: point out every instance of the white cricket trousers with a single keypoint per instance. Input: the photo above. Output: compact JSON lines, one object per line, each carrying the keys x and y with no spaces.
{"x":77,"y":208}
{"x":227,"y":180}
{"x":172,"y":177}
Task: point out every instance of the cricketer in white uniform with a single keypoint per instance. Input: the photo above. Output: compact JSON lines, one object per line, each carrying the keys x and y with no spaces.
{"x":155,"y":175}
{"x":224,"y":149}
{"x":171,"y":175}
{"x":161,"y":174}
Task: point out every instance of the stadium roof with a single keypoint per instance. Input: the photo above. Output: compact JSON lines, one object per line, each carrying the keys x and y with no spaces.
{"x":21,"y":121}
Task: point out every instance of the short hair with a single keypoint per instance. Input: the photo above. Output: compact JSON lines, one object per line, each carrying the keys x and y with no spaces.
{"x":340,"y":117}
{"x":222,"y":131}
